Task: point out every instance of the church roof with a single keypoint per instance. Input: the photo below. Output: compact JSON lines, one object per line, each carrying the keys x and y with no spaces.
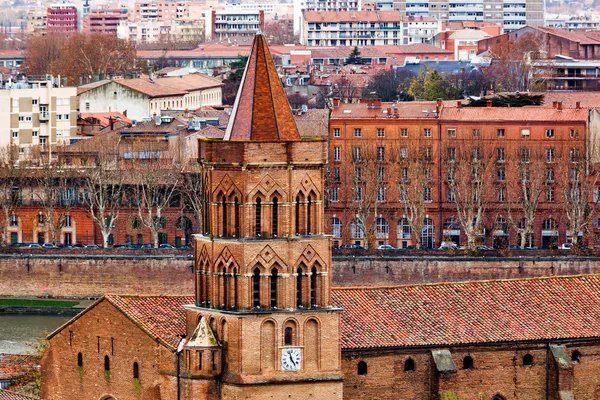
{"x":203,"y":336}
{"x":445,"y":314}
{"x":458,"y":313}
{"x":261,"y":110}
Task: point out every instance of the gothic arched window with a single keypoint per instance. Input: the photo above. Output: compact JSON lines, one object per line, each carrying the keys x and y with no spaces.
{"x":257,"y":223}
{"x":313,"y":287}
{"x":274,"y":218}
{"x":299,"y":288}
{"x":256,"y":288}
{"x":80,"y":360}
{"x":106,"y":364}
{"x":274,"y":288}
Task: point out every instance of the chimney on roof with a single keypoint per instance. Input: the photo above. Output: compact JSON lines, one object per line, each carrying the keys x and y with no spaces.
{"x":459,"y":105}
{"x":559,"y":106}
{"x":377,"y":104}
{"x":578,"y":105}
{"x":186,"y":112}
{"x":125,"y":113}
{"x":488,"y":103}
{"x":111,"y":121}
{"x":389,"y":112}
{"x":336,"y":103}
{"x":554,"y":104}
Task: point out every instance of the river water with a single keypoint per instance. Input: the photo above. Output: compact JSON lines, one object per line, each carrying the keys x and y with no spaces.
{"x":18,"y":331}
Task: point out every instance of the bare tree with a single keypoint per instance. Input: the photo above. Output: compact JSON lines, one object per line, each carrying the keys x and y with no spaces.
{"x":369,"y":186}
{"x":11,"y":184}
{"x":104,"y":183}
{"x":578,"y":174}
{"x":193,"y":189}
{"x":414,"y":176}
{"x":56,"y":189}
{"x":155,"y":182}
{"x":471,"y":172}
{"x":530,"y":174}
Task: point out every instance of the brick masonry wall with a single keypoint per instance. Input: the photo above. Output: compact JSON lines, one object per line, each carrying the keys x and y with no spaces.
{"x":93,"y":275}
{"x":497,"y":370}
{"x":380,"y":271}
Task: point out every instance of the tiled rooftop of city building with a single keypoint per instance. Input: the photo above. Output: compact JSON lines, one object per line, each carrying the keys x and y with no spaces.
{"x":470,"y":312}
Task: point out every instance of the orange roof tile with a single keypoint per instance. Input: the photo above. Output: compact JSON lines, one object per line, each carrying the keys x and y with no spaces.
{"x":513,"y":114}
{"x":170,"y":86}
{"x":261,"y":110}
{"x":470,"y":312}
{"x":104,"y":117}
{"x":410,"y":109}
{"x":8,"y":395}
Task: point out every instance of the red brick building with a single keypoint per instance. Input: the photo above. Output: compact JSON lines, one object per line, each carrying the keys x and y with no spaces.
{"x":265,"y":323}
{"x":372,"y":146}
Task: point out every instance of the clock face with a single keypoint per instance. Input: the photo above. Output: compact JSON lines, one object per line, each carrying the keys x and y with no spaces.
{"x":290,"y":359}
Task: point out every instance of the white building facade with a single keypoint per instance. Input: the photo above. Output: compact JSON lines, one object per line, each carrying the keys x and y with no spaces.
{"x":38,"y":115}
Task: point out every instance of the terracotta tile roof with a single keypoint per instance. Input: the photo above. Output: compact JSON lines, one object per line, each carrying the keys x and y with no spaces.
{"x":529,"y":113}
{"x":411,"y":109}
{"x":261,"y":110}
{"x":103,"y":117}
{"x":212,"y":132}
{"x":582,"y":37}
{"x":170,"y":86}
{"x":161,"y":317}
{"x":358,"y":81}
{"x":569,"y":99}
{"x":11,"y":54}
{"x":470,"y":312}
{"x":210,"y":112}
{"x":419,"y":48}
{"x":313,"y":124}
{"x":7,"y":395}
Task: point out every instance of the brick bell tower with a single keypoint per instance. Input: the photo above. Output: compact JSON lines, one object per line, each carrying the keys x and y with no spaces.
{"x":263,"y":266}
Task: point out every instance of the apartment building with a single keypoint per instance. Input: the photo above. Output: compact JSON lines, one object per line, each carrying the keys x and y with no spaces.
{"x":365,"y":28}
{"x":300,"y":6}
{"x":61,"y":18}
{"x":36,"y":20}
{"x":233,"y":21}
{"x":153,"y":10}
{"x":375,"y":146}
{"x":565,"y":73}
{"x":143,"y":98}
{"x":104,"y":20}
{"x":37,"y":112}
{"x":510,"y":14}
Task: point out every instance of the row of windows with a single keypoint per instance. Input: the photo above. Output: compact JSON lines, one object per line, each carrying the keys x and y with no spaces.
{"x":468,"y":363}
{"x":451,"y":132}
{"x":135,"y":366}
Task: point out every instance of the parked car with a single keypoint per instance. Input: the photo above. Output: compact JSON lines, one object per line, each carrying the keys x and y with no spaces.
{"x":146,"y":246}
{"x":386,"y":247}
{"x":166,"y":246}
{"x":121,"y":246}
{"x":566,"y":246}
{"x":448,"y":246}
{"x":48,"y":246}
{"x":184,"y":247}
{"x":33,"y":245}
{"x":484,"y":248}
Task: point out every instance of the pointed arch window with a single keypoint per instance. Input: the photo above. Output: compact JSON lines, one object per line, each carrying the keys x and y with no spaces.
{"x":308,"y":215}
{"x":80,"y":360}
{"x":256,"y":288}
{"x":224,"y":208}
{"x":225,"y":289}
{"x":106,"y":364}
{"x":236,"y":212}
{"x":274,"y":217}
{"x":297,"y":226}
{"x":409,"y":365}
{"x":299,"y":288}
{"x":235,"y":289}
{"x":274,"y":288}
{"x":313,"y":287}
{"x":257,"y":223}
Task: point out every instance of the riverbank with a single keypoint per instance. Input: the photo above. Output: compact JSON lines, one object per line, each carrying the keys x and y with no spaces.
{"x":33,"y":306}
